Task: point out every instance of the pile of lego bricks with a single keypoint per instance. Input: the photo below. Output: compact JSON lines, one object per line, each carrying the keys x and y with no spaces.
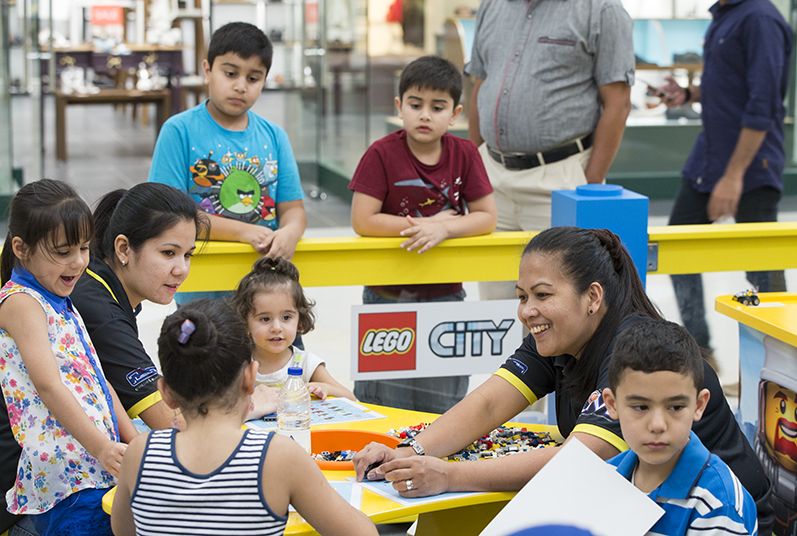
{"x":335,"y":456}
{"x":500,"y":442}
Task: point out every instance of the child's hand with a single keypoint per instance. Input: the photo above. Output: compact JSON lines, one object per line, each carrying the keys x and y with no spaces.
{"x":317,"y":389}
{"x":424,"y":234}
{"x":111,"y":457}
{"x":281,"y":245}
{"x":260,"y":237}
{"x":265,"y":401}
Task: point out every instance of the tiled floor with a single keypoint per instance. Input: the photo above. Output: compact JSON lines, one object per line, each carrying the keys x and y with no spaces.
{"x":107,"y":150}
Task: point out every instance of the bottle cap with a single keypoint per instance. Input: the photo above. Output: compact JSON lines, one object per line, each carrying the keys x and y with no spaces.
{"x":295,"y":371}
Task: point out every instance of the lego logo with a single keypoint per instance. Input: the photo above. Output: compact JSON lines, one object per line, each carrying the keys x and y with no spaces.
{"x":387,"y":341}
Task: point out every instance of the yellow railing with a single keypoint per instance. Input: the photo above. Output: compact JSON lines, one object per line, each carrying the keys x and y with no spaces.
{"x":495,"y":257}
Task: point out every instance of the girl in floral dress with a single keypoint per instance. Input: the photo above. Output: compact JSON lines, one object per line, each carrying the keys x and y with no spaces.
{"x":67,"y":419}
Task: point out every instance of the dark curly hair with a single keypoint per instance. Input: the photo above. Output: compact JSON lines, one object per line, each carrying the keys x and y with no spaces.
{"x":268,"y":275}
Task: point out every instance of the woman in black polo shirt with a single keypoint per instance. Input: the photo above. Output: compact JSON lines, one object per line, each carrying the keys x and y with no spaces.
{"x":577,"y":289}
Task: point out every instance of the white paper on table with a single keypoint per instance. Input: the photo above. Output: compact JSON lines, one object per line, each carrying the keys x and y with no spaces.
{"x":577,"y":488}
{"x":386,"y":490}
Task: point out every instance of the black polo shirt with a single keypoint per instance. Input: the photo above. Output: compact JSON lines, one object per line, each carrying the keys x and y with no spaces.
{"x":536,"y":376}
{"x":111,"y":322}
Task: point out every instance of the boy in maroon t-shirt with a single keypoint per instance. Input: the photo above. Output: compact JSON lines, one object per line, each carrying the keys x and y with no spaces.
{"x":428,"y":185}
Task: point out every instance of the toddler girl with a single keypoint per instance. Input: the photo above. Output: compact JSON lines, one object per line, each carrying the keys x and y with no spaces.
{"x":215,"y":477}
{"x":64,"y":415}
{"x":272,"y":303}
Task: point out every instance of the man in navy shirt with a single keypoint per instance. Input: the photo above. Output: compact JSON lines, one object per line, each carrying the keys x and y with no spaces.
{"x":735,"y":169}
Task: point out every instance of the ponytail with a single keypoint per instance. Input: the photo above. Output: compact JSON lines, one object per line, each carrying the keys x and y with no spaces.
{"x":587,"y":256}
{"x":201,"y":366}
{"x":143,"y":212}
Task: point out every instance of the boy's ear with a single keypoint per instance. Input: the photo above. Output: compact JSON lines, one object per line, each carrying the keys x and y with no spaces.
{"x":166,"y":394}
{"x":702,"y":402}
{"x":457,"y":111}
{"x":611,"y":403}
{"x":398,"y":106}
{"x":19,"y":248}
{"x":206,"y":70}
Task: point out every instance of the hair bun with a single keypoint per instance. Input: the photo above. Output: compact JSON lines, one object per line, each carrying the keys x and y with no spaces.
{"x":278,"y":265}
{"x":193,"y":344}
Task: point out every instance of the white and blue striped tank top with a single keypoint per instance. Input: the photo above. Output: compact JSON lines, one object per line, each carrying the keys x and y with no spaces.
{"x":169,"y":499}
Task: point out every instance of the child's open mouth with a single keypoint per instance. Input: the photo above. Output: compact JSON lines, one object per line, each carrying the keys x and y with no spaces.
{"x":68,"y":280}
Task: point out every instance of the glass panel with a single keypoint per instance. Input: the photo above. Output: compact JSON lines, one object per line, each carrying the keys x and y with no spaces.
{"x":6,"y":152}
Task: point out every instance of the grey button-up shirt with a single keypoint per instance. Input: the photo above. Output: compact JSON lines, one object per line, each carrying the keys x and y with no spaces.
{"x":542,"y":62}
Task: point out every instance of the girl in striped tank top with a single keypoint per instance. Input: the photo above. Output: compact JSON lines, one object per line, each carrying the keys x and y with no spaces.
{"x":215,"y":477}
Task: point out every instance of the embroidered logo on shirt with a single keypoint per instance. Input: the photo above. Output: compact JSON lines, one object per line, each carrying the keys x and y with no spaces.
{"x":595,"y":404}
{"x":140,"y":375}
{"x":522,"y":367}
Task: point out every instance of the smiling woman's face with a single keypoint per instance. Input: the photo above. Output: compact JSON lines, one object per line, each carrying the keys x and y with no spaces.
{"x":160,"y":266}
{"x":551,"y":309}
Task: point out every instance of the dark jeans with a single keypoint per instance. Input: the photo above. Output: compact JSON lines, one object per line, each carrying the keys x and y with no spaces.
{"x":759,"y":205}
{"x":433,"y":395}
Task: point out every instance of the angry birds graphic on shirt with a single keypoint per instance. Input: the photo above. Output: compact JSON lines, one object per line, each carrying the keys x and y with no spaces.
{"x":238,"y":187}
{"x":205,"y":172}
{"x":780,"y":424}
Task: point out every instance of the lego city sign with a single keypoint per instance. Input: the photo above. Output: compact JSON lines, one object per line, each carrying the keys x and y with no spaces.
{"x":418,"y":340}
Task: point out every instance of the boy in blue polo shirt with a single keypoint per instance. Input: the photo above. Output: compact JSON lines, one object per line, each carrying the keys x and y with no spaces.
{"x":655,"y":378}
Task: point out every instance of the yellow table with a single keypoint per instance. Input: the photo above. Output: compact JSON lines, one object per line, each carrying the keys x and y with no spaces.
{"x":463,"y":516}
{"x":778,"y":322}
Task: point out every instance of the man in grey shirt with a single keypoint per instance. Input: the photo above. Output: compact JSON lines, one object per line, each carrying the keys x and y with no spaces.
{"x":551,"y":95}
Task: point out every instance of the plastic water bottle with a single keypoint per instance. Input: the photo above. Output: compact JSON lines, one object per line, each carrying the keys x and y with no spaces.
{"x":293,"y":410}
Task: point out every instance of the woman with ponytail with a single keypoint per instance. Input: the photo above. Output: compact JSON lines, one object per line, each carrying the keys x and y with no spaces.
{"x":577,"y":290}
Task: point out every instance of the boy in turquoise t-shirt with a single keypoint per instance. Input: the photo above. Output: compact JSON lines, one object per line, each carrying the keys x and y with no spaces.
{"x":237,"y":165}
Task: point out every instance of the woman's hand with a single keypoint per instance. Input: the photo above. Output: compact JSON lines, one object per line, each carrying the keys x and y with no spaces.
{"x":417,"y":476}
{"x":376,"y":453}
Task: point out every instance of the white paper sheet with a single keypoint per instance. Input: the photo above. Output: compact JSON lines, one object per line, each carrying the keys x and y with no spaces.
{"x":579,"y":489}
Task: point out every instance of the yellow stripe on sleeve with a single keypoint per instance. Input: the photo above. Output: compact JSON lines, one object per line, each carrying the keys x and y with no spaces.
{"x":517,"y":384}
{"x":611,"y":438}
{"x":144,"y":404}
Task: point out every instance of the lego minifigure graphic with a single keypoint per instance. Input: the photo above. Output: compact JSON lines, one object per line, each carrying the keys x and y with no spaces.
{"x":776,"y":431}
{"x":780,"y":424}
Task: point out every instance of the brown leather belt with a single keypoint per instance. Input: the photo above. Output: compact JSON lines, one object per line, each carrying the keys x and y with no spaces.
{"x":528,"y":161}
